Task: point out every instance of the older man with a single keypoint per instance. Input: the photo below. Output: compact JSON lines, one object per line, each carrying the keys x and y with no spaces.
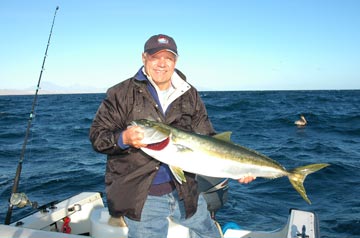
{"x":138,"y":187}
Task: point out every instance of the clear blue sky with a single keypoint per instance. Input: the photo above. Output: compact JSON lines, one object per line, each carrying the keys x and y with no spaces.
{"x":223,"y":45}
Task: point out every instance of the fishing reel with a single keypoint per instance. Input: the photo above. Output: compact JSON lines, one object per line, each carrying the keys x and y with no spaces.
{"x":215,"y":192}
{"x":20,"y":200}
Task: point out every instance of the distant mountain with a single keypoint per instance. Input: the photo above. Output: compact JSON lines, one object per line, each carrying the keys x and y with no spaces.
{"x":51,"y":88}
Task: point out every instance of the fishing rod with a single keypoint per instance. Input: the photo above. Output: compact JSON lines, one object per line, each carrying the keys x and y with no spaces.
{"x":21,"y":200}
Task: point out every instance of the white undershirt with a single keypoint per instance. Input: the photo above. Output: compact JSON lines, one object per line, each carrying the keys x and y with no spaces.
{"x":164,"y":96}
{"x":177,"y":87}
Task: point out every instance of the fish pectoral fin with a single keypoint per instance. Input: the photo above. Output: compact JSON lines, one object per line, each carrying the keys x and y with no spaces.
{"x":178,"y":174}
{"x":182,"y":148}
{"x":224,"y":136}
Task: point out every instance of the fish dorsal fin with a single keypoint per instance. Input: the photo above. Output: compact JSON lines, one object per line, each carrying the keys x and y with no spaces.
{"x":178,"y":174}
{"x":224,"y":136}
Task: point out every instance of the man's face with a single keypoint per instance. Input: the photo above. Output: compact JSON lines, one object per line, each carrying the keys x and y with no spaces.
{"x":160,"y":67}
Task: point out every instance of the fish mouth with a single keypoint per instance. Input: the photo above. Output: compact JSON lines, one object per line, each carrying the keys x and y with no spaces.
{"x":153,"y":136}
{"x":142,"y":123}
{"x":133,"y":123}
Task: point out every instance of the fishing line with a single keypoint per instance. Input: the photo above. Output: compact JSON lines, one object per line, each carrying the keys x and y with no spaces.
{"x":31,"y":116}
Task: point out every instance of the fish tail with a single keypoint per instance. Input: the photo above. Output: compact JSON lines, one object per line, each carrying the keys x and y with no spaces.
{"x":298,"y":175}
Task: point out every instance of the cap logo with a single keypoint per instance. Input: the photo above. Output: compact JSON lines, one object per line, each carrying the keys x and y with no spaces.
{"x":163,"y":40}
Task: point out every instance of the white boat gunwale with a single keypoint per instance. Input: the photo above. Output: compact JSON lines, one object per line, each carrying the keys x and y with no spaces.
{"x":88,"y":218}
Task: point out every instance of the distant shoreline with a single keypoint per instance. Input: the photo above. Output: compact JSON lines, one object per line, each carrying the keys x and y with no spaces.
{"x":14,"y":92}
{"x":9,"y":92}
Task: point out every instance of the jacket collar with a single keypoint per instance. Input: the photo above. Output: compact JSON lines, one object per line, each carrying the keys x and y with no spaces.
{"x":178,"y":81}
{"x":140,"y":75}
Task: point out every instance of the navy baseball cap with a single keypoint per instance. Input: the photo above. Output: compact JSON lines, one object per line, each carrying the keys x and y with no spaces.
{"x":160,"y":42}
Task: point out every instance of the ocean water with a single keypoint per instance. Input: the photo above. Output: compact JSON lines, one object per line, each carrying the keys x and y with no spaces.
{"x":59,"y":160}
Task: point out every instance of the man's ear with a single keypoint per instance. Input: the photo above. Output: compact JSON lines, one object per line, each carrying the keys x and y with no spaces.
{"x":143,"y":56}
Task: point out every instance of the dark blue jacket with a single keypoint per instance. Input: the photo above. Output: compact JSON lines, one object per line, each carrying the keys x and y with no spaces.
{"x":129,"y":171}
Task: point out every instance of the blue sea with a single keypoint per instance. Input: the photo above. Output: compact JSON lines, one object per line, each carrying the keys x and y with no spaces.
{"x":59,"y":161}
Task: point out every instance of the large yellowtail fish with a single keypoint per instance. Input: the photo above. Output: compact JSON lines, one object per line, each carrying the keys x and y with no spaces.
{"x":214,"y":156}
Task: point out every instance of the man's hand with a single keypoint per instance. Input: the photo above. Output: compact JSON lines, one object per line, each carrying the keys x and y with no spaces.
{"x":133,"y":136}
{"x":246,"y":179}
